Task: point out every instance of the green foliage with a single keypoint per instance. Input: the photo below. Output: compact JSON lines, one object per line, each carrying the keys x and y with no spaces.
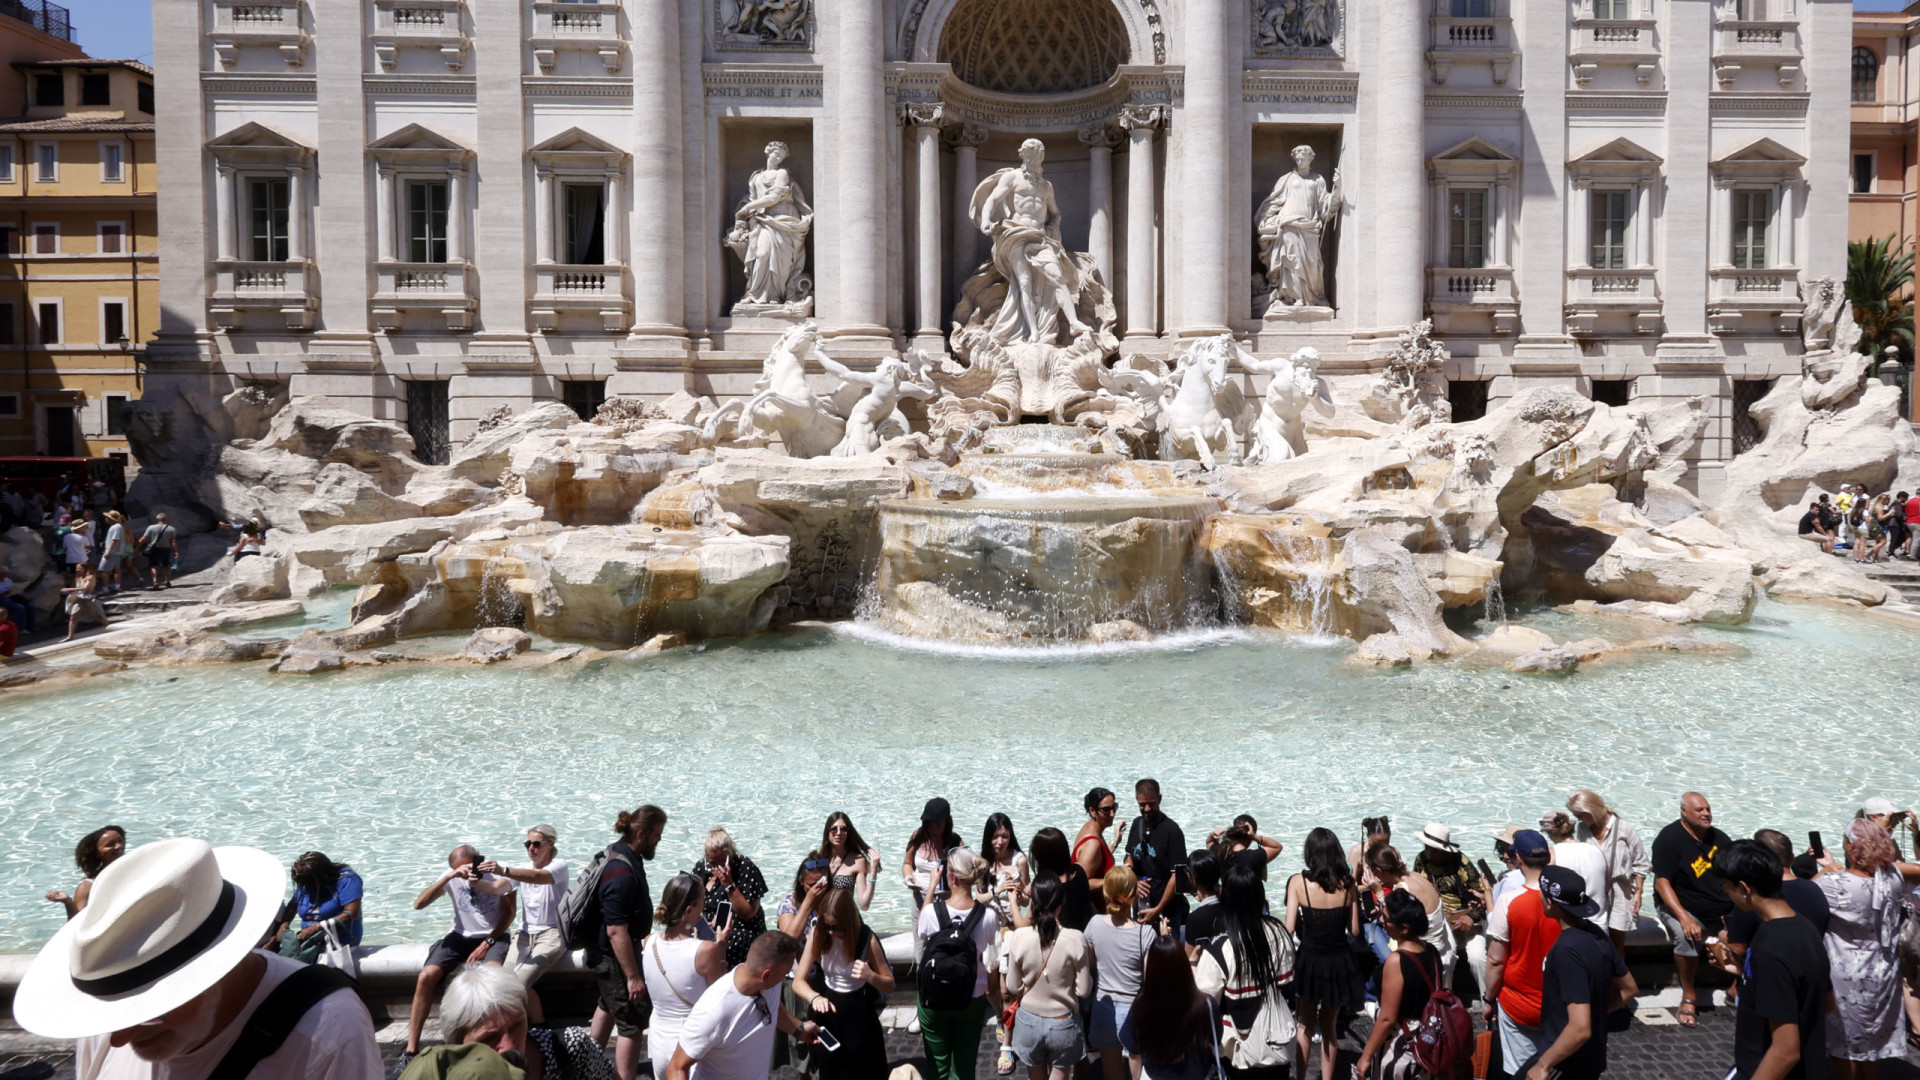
{"x":1879,"y":281}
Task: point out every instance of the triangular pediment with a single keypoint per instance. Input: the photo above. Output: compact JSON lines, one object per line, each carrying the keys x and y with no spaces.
{"x":1473,"y":149}
{"x":1618,"y":151}
{"x":576,"y":141}
{"x":416,"y":137}
{"x":254,"y":135}
{"x":1764,"y":152}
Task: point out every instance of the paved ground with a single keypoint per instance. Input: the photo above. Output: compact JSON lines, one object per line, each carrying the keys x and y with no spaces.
{"x":1656,"y":1048}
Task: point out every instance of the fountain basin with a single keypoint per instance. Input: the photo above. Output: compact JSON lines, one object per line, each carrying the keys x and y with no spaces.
{"x":1042,"y":570}
{"x":1069,"y":472}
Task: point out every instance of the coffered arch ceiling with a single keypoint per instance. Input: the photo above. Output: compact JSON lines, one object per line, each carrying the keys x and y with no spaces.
{"x":1034,"y":46}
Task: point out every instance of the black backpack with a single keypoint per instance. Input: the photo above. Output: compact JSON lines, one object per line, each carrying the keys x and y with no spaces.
{"x":580,"y":908}
{"x":949,"y":961}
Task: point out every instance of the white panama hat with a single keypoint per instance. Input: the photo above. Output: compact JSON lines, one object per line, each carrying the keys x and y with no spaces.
{"x":164,"y":923}
{"x":1439,"y":838}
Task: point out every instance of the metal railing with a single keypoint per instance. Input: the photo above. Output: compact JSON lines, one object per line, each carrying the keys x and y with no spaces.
{"x":48,"y":18}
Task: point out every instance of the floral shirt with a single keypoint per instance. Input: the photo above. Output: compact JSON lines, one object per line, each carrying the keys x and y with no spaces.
{"x":584,"y":1060}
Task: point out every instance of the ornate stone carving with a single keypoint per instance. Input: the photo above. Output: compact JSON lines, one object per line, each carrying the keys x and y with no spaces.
{"x":1099,"y":135}
{"x":1292,"y":223}
{"x":886,"y":385}
{"x":764,"y":23}
{"x":1293,"y":27}
{"x":783,"y":405}
{"x":1281,"y":431}
{"x":965,"y":134}
{"x":769,"y":235}
{"x":1411,"y":392}
{"x":1134,"y":117}
{"x":922,"y":114}
{"x":1149,"y":10}
{"x":1034,"y":46}
{"x":1197,"y":409}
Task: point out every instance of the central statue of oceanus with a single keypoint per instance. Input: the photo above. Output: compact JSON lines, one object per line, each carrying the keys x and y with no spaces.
{"x":1035,"y":321}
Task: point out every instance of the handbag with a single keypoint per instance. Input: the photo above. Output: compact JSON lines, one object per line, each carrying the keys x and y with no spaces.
{"x":335,"y":952}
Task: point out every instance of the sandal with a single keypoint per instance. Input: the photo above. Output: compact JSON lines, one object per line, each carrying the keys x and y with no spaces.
{"x":1689,"y":1012}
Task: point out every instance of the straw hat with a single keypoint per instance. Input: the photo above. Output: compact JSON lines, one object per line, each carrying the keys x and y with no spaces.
{"x":164,"y":923}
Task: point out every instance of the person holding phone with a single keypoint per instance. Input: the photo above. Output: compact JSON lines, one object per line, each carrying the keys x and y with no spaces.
{"x":1155,"y":847}
{"x":926,"y":850}
{"x":844,"y":977}
{"x":1689,"y":899}
{"x":678,"y":965}
{"x":483,"y":906}
{"x":733,"y":881}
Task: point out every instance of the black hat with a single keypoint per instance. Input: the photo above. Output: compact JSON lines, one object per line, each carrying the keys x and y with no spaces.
{"x":937,"y":810}
{"x":1567,"y":888}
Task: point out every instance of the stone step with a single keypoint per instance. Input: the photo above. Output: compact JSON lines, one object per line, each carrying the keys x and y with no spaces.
{"x":147,"y":602}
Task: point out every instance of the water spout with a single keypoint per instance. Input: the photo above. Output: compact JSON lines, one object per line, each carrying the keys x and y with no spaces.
{"x":1495,"y":610}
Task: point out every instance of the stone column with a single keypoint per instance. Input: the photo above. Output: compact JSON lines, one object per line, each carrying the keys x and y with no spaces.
{"x":1143,"y":263}
{"x":1643,"y":224}
{"x":1580,"y":224}
{"x":1498,"y":223}
{"x":1400,"y":155}
{"x":1205,"y":138}
{"x":227,"y":212}
{"x":855,"y":96}
{"x":543,"y":213}
{"x":1099,"y":141}
{"x":925,"y":119}
{"x":966,"y":176}
{"x":610,"y":220}
{"x":658,"y":260}
{"x":297,"y":214}
{"x":384,"y":210}
{"x":337,"y":215}
{"x":457,"y":215}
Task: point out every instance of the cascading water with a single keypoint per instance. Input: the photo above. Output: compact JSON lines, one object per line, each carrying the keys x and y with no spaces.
{"x":1313,"y":589}
{"x":498,"y":604}
{"x":1494,"y":611}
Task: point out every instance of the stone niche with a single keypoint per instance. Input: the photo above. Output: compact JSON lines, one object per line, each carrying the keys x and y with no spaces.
{"x":743,"y":147}
{"x":1273,"y":155}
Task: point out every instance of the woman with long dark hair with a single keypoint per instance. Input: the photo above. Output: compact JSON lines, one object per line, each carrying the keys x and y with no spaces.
{"x":1090,"y":848}
{"x":1407,"y":981}
{"x":850,"y":861}
{"x":1246,"y":966}
{"x":324,"y":893}
{"x":1181,"y":1042}
{"x":92,"y":854}
{"x":843,"y":976}
{"x":1007,"y":884}
{"x":677,"y":965}
{"x":1049,"y":973}
{"x":927,"y":851}
{"x":1051,"y":858}
{"x":1322,"y":909}
{"x":795,"y":917}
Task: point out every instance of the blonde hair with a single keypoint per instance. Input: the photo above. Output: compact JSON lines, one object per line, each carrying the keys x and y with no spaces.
{"x":1119,"y":888}
{"x":965,"y":869}
{"x":1591,"y":804}
{"x":720,"y":838}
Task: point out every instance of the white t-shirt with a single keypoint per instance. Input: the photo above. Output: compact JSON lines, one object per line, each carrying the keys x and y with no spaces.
{"x":474,"y":913}
{"x":334,"y":1041}
{"x":1509,"y":881}
{"x":117,"y":539}
{"x":984,"y":937}
{"x":1587,"y":861}
{"x":1497,"y":919}
{"x":675,"y":990}
{"x":540,"y":904}
{"x":74,"y":545}
{"x":728,"y":1035}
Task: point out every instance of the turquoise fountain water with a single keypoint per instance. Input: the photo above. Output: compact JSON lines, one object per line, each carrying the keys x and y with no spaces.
{"x":389,"y":768}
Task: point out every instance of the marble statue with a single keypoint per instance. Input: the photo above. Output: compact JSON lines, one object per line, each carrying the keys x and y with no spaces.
{"x":771,"y":20}
{"x":1292,"y":24}
{"x":886,"y":385}
{"x":783,"y":404}
{"x":770,"y":235}
{"x":1197,"y":409}
{"x":1292,"y":223}
{"x":1016,"y":209}
{"x":1281,"y":431}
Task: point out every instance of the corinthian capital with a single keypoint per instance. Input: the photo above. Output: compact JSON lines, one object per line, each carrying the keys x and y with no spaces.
{"x":1098,"y":135}
{"x":922,"y":113}
{"x":1148,"y":117}
{"x":966,"y":134}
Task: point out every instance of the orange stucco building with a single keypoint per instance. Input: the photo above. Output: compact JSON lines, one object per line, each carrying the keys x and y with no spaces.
{"x":1886,"y":105}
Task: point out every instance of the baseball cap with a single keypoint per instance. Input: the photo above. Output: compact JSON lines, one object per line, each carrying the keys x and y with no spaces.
{"x":1530,"y":842}
{"x":1567,"y":888}
{"x":936,"y":810}
{"x":1877,"y":806}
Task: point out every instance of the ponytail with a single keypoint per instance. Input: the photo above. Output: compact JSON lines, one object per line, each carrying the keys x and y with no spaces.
{"x":1048,"y":893}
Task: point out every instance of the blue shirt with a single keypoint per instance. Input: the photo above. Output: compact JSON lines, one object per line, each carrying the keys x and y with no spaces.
{"x":313,"y":908}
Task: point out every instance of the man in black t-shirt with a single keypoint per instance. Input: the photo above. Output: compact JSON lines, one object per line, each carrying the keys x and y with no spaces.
{"x":1813,"y":526}
{"x":1155,"y":846}
{"x":1780,"y":1024}
{"x":1584,"y":979}
{"x":1803,"y":896}
{"x":626,"y":917}
{"x":1688,"y":897}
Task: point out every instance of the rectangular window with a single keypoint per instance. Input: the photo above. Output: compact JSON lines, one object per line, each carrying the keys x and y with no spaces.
{"x":1472,"y":9}
{"x":49,"y":317}
{"x":427,"y":221}
{"x":10,"y":405}
{"x":49,"y":89}
{"x":46,"y":239}
{"x":113,"y":322}
{"x":146,"y":98}
{"x":119,"y":407}
{"x":1613,"y":9}
{"x":586,"y":229}
{"x":267,"y":212}
{"x":1467,"y":229}
{"x":1468,"y":398}
{"x":584,"y":396}
{"x":112,"y":236}
{"x":7,"y":318}
{"x":112,"y":162}
{"x":427,"y":420}
{"x":95,"y":89}
{"x":1615,"y":392}
{"x":46,"y":158}
{"x":1612,"y":215}
{"x":1751,"y":213}
{"x":6,"y":163}
{"x":1751,"y":10}
{"x":1863,"y":174}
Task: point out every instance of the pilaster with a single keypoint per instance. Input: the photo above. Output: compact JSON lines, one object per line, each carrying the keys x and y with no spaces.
{"x":337,"y":206}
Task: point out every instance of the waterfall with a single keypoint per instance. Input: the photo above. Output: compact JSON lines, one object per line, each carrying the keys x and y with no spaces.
{"x":499,"y":605}
{"x":1313,"y":589}
{"x":1495,"y":611}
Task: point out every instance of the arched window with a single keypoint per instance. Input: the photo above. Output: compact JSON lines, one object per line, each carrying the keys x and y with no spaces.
{"x":1866,"y":72}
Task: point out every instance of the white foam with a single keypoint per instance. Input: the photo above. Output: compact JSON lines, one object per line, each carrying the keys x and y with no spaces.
{"x":1174,"y":641}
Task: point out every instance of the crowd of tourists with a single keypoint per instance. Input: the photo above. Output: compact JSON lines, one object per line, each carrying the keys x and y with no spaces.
{"x":97,"y":550}
{"x":1864,"y":527}
{"x":1123,"y":949}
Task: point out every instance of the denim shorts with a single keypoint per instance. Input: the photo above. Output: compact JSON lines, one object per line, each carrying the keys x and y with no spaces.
{"x":1103,"y":1031}
{"x":1047,"y":1042}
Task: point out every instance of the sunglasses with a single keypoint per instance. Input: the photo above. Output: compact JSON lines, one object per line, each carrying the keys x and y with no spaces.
{"x":531,"y":844}
{"x":815,"y":864}
{"x":830,"y":927}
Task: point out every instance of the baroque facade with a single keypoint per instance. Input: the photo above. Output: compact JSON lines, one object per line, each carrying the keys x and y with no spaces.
{"x":424,"y":209}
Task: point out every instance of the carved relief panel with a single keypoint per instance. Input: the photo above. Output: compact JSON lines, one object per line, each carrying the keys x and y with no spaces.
{"x":763,"y":24}
{"x":1299,"y":28}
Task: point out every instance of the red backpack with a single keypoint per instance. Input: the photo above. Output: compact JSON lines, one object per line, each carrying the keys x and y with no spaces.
{"x":1442,"y":1039}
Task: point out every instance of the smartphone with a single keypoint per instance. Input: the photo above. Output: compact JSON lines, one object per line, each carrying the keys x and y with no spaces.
{"x":827,"y":1041}
{"x":1183,"y":879}
{"x":1814,"y":845}
{"x":1486,"y":873}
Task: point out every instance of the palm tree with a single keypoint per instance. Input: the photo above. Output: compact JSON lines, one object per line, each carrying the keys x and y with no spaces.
{"x":1878,"y":287}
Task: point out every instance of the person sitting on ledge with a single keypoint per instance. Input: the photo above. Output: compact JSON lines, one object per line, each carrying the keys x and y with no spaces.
{"x":1813,"y":526}
{"x":482,"y":911}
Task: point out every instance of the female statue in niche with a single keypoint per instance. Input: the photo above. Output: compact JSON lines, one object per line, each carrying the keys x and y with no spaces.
{"x":1292,"y":225}
{"x":770,"y":236}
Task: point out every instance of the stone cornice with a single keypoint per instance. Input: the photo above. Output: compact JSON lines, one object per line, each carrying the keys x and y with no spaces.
{"x":560,"y":86}
{"x":1485,"y":100}
{"x":1270,"y":87}
{"x":1610,"y":102}
{"x":457,"y":86}
{"x":1758,"y":104}
{"x":283,"y":85}
{"x":782,"y":82}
